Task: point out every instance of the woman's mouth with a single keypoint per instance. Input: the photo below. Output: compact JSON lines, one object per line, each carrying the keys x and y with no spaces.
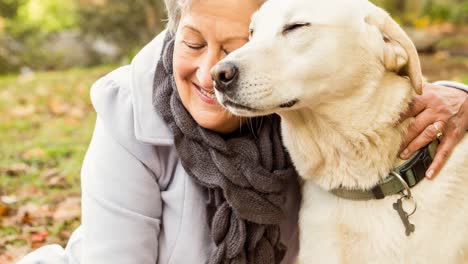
{"x":207,"y":96}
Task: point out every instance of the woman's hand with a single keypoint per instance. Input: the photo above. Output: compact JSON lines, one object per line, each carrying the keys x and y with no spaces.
{"x":439,"y":110}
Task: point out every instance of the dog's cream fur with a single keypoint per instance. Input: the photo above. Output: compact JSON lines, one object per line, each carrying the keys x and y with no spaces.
{"x":345,"y":67}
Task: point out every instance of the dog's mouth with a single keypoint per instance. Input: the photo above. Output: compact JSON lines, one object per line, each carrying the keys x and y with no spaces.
{"x":243,"y":109}
{"x":229,"y":103}
{"x":235,"y":105}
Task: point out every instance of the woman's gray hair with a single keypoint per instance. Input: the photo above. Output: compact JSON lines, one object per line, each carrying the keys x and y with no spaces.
{"x":174,"y":10}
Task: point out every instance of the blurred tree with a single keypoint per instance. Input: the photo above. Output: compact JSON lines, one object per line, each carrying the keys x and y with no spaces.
{"x":8,"y":11}
{"x":9,"y":8}
{"x":32,"y":32}
{"x":27,"y":26}
{"x":409,"y":12}
{"x":25,"y":17}
{"x":47,"y":16}
{"x":127,"y":23}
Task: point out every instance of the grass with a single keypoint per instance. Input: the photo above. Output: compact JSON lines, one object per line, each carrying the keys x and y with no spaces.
{"x":59,"y":135}
{"x":46,"y":122}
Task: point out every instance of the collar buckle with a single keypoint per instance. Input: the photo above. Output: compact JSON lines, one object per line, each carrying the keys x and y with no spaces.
{"x":408,"y":196}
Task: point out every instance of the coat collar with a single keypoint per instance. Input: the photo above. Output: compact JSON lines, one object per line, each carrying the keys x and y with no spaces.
{"x":149,"y":125}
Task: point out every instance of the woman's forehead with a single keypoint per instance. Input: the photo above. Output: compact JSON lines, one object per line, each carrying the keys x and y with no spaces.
{"x":240,"y":10}
{"x":224,"y":16}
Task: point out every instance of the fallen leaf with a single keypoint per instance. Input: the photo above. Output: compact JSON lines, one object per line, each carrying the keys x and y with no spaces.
{"x":4,"y":209}
{"x":54,"y":178}
{"x":77,"y":113}
{"x":31,"y":213}
{"x":57,"y":106}
{"x":9,"y":199}
{"x":15,"y":169}
{"x":23,"y":111}
{"x":33,"y":154}
{"x":38,"y":239}
{"x":57,"y":181}
{"x":68,"y":209}
{"x":39,"y":236}
{"x":26,"y":218}
{"x":47,"y":174}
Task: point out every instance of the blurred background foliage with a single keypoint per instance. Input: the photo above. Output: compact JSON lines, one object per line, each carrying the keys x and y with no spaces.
{"x":58,"y":34}
{"x":424,"y":12}
{"x":55,"y":34}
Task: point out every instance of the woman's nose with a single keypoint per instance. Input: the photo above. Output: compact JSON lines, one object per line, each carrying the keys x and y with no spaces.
{"x":204,"y":71}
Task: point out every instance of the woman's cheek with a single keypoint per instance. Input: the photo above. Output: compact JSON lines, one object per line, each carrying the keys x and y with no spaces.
{"x":184,"y":64}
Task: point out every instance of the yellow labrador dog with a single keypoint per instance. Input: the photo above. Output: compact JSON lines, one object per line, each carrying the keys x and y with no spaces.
{"x":340,"y":73}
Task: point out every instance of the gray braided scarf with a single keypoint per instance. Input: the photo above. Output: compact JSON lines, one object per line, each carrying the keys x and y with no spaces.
{"x":244,"y":175}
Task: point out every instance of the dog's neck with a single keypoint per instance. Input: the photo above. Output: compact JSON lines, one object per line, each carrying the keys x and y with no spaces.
{"x":351,"y":142}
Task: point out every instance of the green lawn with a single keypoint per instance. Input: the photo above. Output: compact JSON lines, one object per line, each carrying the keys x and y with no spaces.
{"x":46,"y":121}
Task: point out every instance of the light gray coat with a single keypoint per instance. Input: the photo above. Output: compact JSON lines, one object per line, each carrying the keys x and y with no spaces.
{"x":138,"y":203}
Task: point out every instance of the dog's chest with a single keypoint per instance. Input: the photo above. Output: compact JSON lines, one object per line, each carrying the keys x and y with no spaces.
{"x":334,"y":230}
{"x":346,"y":231}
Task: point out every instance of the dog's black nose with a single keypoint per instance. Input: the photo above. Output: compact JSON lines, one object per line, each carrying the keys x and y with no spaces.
{"x":225,"y":75}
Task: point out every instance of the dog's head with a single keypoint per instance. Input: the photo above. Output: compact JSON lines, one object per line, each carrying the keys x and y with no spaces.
{"x":304,"y":52}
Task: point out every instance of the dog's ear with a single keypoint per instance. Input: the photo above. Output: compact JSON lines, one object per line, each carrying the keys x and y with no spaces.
{"x":400,"y":54}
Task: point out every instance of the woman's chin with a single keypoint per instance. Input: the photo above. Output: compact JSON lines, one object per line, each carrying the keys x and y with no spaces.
{"x":221,"y":122}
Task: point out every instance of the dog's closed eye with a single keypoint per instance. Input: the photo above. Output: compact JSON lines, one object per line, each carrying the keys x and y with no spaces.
{"x":293,"y":26}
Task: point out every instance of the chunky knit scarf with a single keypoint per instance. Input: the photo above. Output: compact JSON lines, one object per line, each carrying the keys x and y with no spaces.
{"x":244,"y":175}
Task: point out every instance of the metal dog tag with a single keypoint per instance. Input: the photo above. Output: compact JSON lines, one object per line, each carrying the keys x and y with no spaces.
{"x":398,"y":206}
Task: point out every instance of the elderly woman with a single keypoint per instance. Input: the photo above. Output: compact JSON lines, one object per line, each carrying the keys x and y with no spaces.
{"x":170,"y":177}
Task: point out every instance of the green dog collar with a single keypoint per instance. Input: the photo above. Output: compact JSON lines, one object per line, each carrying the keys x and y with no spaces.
{"x":411,"y":171}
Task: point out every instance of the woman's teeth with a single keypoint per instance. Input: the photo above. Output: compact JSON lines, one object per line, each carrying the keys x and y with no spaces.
{"x":210,"y":95}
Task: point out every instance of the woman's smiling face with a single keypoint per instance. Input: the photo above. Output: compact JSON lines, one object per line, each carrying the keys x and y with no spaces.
{"x":208,"y":31}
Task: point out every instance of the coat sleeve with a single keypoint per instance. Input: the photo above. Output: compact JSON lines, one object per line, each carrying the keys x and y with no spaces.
{"x":121,"y":197}
{"x":121,"y":204}
{"x":120,"y":181}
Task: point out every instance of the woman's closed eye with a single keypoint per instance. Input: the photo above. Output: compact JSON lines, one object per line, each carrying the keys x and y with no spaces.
{"x":194,"y":45}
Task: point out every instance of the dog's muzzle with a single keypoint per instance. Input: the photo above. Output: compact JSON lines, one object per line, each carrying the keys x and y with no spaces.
{"x":225,"y":76}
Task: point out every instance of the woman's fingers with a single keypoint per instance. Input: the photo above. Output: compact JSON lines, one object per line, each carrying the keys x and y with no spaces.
{"x":426,"y":136}
{"x":442,"y":154}
{"x":439,"y":111}
{"x":417,"y":129}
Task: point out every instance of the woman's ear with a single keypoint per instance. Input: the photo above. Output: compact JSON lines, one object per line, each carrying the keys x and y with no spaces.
{"x":400,"y":54}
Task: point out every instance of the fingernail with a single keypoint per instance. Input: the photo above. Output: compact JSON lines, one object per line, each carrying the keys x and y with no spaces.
{"x":404,"y":154}
{"x":429,"y":174}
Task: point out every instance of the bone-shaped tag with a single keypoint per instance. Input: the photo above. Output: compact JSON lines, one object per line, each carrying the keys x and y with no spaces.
{"x":398,"y":206}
